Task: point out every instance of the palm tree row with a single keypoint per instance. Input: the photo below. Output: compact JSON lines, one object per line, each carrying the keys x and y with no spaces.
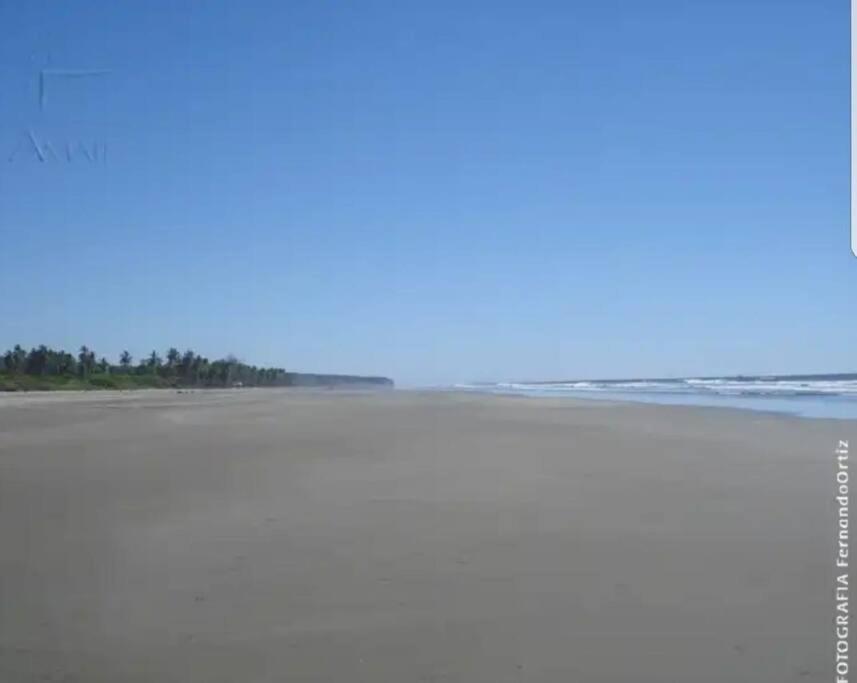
{"x":186,"y":369}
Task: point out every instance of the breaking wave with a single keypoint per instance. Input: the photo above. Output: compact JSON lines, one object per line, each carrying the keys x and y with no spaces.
{"x":809,"y":395}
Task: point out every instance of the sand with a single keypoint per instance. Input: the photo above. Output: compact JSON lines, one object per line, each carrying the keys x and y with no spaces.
{"x":268,"y":535}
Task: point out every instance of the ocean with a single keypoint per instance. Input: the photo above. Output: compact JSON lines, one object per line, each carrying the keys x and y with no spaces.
{"x":816,"y":396}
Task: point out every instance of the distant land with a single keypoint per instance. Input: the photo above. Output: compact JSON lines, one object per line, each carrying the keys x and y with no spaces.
{"x":45,"y":369}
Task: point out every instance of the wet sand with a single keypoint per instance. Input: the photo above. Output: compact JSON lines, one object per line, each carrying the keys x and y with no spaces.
{"x":267,"y":535}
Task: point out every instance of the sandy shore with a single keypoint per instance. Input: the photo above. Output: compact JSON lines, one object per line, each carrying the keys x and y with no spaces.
{"x":294,"y":536}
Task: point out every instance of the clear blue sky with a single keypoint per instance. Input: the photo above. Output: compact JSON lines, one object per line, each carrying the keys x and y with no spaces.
{"x":435,"y":191}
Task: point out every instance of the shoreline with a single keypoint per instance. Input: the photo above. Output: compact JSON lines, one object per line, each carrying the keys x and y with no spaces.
{"x":77,"y":395}
{"x":804,"y":407}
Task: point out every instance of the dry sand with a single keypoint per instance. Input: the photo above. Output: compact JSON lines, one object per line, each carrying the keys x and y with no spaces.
{"x":291,"y":536}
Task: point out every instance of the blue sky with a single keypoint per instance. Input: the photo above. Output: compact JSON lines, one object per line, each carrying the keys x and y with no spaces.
{"x":439,"y":192}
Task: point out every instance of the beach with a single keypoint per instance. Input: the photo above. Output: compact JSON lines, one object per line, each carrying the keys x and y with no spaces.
{"x":393,"y":536}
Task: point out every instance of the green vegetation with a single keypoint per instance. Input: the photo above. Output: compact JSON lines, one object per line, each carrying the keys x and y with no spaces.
{"x":43,"y":368}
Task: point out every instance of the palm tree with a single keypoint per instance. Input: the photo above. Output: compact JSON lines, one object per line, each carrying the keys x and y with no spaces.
{"x":186,"y":365}
{"x":37,"y":361}
{"x":201,"y":370}
{"x":125,"y":361}
{"x":65,"y":364}
{"x":173,"y":357}
{"x":19,"y":358}
{"x":154,"y":362}
{"x":87,"y":360}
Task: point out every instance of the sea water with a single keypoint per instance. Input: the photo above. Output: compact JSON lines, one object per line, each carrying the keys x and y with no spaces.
{"x":817,"y":396}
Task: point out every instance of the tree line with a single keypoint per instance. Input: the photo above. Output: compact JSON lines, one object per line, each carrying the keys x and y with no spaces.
{"x":186,"y":368}
{"x":173,"y":369}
